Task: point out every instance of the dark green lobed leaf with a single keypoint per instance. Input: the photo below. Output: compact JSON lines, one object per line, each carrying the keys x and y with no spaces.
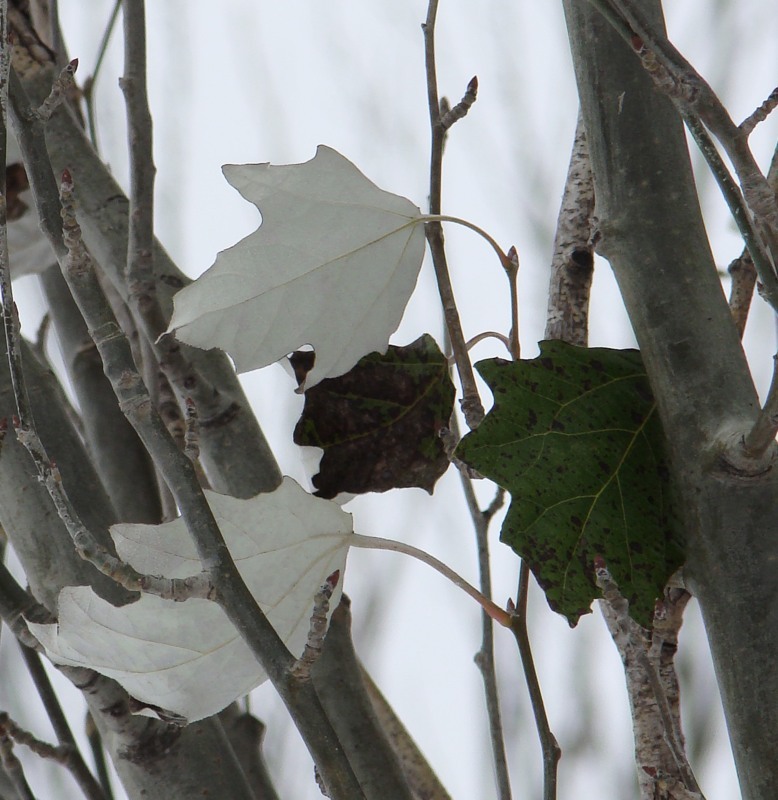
{"x":575,"y":438}
{"x":378,"y":424}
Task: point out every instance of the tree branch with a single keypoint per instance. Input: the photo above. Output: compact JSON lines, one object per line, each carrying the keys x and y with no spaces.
{"x":228,"y":587}
{"x":339,"y":682}
{"x":234,"y":451}
{"x":71,"y":754}
{"x":655,"y":239}
{"x":548,"y":743}
{"x":659,"y":745}
{"x":471,"y":403}
{"x":484,"y":658}
{"x":699,"y":105}
{"x":572,"y":263}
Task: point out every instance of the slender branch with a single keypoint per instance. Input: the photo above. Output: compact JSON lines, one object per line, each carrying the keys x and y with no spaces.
{"x":58,"y":93}
{"x":743,"y":275}
{"x":572,"y":262}
{"x":140,"y":238}
{"x":513,"y":281}
{"x":9,"y":312}
{"x":192,"y":431}
{"x":548,"y":742}
{"x":13,"y":767}
{"x":228,"y":587}
{"x":425,"y":783}
{"x":695,"y":100}
{"x":764,"y":431}
{"x":737,"y":207}
{"x":760,"y":114}
{"x":72,"y":755}
{"x":452,"y":115}
{"x":89,"y":84}
{"x":246,"y":734}
{"x":625,"y":632}
{"x":339,"y":681}
{"x":17,"y":606}
{"x":65,"y":754}
{"x":762,"y":435}
{"x":470,"y":403}
{"x":98,"y":756}
{"x":301,"y":669}
{"x":235,"y":452}
{"x":484,"y":658}
{"x":376,"y":543}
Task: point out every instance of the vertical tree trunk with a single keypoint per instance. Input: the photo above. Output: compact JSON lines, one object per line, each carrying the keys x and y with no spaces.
{"x":653,"y":235}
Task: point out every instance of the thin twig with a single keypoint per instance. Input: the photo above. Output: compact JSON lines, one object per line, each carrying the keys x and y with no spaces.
{"x":65,"y":754}
{"x":98,"y":756}
{"x":736,"y":203}
{"x":449,"y":116}
{"x":227,"y":587}
{"x":695,"y":100}
{"x":484,"y":658}
{"x":762,"y":435}
{"x":192,"y":432}
{"x":548,"y":742}
{"x":301,"y":669}
{"x":72,"y":758}
{"x":470,"y":403}
{"x":625,"y":628}
{"x":141,"y":280}
{"x":89,"y":84}
{"x":140,"y":240}
{"x":12,"y":765}
{"x":760,"y":114}
{"x":513,"y":281}
{"x":84,"y":541}
{"x":572,"y":262}
{"x":424,"y":782}
{"x":58,"y":93}
{"x":743,"y":275}
{"x":17,"y":606}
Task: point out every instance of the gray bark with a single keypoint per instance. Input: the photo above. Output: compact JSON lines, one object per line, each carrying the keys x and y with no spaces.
{"x":653,"y":235}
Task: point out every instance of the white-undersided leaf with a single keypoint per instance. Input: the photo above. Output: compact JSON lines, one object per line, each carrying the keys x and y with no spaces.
{"x":187,"y":657}
{"x":332,"y":265}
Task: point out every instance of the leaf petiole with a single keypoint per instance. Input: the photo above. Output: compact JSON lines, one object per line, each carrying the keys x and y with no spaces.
{"x":506,"y":262}
{"x":375,"y":543}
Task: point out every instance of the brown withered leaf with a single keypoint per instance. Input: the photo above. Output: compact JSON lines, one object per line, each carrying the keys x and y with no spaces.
{"x":378,"y":424}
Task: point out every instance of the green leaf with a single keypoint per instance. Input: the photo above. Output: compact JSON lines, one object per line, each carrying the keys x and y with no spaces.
{"x":575,"y":438}
{"x":378,"y":424}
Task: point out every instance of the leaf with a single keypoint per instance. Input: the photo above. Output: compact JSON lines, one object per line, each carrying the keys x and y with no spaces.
{"x":378,"y":424}
{"x":187,"y":657}
{"x":575,"y":438}
{"x":332,"y":265}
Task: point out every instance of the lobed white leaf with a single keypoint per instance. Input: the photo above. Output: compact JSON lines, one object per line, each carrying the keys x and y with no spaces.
{"x":187,"y":657}
{"x":332,"y":265}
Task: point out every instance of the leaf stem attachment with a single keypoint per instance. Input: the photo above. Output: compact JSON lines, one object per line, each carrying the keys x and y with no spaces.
{"x":376,"y":543}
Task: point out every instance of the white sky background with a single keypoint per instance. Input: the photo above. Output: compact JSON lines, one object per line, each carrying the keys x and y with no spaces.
{"x":241,"y":81}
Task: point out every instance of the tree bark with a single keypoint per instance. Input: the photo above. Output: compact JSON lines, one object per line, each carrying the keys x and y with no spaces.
{"x":653,"y":235}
